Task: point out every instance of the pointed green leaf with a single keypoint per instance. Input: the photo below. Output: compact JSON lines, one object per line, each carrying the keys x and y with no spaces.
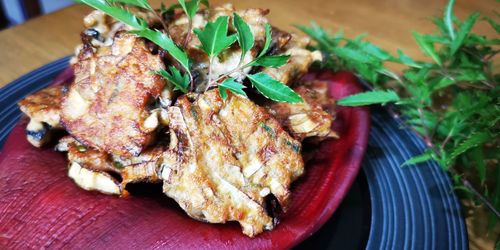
{"x":214,"y":37}
{"x":493,"y":24}
{"x":478,"y":158}
{"x":271,"y":61}
{"x":426,"y":156}
{"x":351,"y":54}
{"x":267,"y":43}
{"x":245,"y":36}
{"x":448,"y":18}
{"x":404,"y":59}
{"x":166,"y":43}
{"x":206,"y":3}
{"x":116,"y":12}
{"x":163,"y":9}
{"x":232,"y":85}
{"x":375,"y":51}
{"x":436,"y":39}
{"x":465,"y":28}
{"x":180,"y":81}
{"x":369,"y":98}
{"x":443,"y":83}
{"x":137,"y":3}
{"x":427,"y":48}
{"x":273,"y":89}
{"x":323,"y":37}
{"x":222,"y":92}
{"x":471,"y":75}
{"x":473,"y":141}
{"x":190,"y":7}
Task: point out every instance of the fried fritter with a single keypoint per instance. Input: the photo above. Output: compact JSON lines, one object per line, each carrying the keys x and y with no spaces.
{"x":311,"y":118}
{"x":299,"y":62}
{"x":107,"y":107}
{"x":96,"y":170}
{"x":225,"y":158}
{"x":43,"y":109}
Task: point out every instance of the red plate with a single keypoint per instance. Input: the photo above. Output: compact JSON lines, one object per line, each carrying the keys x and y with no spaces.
{"x":41,"y":207}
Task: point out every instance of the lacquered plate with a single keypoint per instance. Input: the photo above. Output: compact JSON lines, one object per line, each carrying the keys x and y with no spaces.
{"x":42,"y":208}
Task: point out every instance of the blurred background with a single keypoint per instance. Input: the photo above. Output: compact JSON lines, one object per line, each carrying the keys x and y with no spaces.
{"x":13,"y":12}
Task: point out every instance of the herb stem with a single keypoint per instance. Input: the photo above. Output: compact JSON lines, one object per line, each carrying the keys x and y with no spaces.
{"x":165,"y":27}
{"x":240,"y":67}
{"x":209,"y":83}
{"x":188,"y":35}
{"x":448,"y":137}
{"x":191,"y":83}
{"x":471,"y":188}
{"x":427,"y":139}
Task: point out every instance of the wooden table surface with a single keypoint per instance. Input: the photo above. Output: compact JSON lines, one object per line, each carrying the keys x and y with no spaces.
{"x":388,"y":23}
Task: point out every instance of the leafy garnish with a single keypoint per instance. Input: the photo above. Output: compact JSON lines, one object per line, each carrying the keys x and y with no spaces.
{"x":245,"y":36}
{"x":419,"y":159}
{"x":232,"y":85}
{"x":369,"y":98}
{"x":463,"y":32}
{"x":427,"y":47}
{"x":206,"y":3}
{"x":448,"y":18}
{"x":137,"y":3}
{"x":190,"y":7}
{"x":166,"y":43}
{"x":271,"y":61}
{"x":180,"y":81}
{"x":267,"y":42}
{"x":118,"y":13}
{"x":472,"y":141}
{"x":214,"y":38}
{"x":273,"y":89}
{"x":451,"y":99}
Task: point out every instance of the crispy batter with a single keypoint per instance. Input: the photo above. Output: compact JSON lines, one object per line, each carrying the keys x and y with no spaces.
{"x":44,"y":105}
{"x":226,"y":160}
{"x":130,"y":170}
{"x":225,"y":157}
{"x":299,"y":62}
{"x":43,"y":109}
{"x":310,"y":118}
{"x":107,"y":106}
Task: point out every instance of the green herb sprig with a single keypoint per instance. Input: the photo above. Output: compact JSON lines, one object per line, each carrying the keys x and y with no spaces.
{"x":214,"y":39}
{"x":452,"y":100}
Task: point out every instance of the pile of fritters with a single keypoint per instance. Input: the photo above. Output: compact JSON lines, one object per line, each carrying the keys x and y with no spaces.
{"x":221,"y":160}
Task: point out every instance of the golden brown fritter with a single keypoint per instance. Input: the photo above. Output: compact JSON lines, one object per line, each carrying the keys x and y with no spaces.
{"x":225,"y":157}
{"x":107,"y":105}
{"x":44,"y":105}
{"x":95,"y":166}
{"x":43,"y":109}
{"x":311,"y":118}
{"x":299,"y":62}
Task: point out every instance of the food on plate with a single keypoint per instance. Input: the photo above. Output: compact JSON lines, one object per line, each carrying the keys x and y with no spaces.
{"x":108,"y":173}
{"x":43,"y":108}
{"x":225,"y":158}
{"x":311,"y":118}
{"x":207,"y":101}
{"x":109,"y":104}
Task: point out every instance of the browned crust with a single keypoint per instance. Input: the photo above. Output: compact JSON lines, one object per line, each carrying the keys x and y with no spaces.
{"x":106,"y":106}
